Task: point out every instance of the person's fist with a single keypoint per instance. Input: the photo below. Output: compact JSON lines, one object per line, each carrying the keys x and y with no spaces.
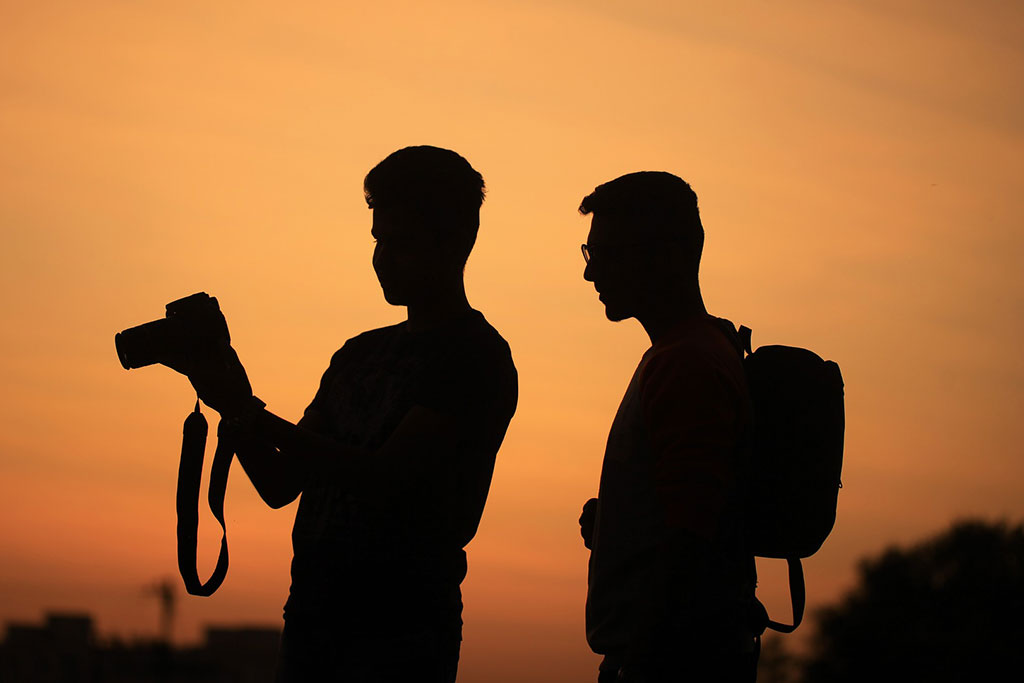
{"x":587,"y":519}
{"x":218,"y":377}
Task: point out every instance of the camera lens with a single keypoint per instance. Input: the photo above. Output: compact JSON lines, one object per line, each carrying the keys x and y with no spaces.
{"x":140,"y":346}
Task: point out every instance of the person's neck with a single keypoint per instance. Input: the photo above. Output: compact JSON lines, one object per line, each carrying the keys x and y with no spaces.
{"x":668,"y":312}
{"x":438,"y":307}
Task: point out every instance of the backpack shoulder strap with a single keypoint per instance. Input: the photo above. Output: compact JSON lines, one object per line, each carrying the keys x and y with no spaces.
{"x":745,"y":335}
{"x":798,"y":595}
{"x":740,"y":339}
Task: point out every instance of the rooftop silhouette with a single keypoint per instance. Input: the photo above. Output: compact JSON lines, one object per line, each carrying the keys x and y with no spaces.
{"x":65,"y":648}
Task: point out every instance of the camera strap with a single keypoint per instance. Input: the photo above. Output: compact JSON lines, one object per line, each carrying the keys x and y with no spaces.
{"x":190,"y":474}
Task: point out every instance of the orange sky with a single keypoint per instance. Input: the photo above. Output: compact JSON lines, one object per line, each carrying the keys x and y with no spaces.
{"x":859,"y":169}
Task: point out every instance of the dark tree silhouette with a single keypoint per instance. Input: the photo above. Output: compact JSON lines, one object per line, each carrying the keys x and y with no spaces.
{"x":948,"y":609}
{"x":777,"y":664}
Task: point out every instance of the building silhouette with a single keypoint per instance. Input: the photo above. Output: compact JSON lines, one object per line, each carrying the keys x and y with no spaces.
{"x":66,"y":649}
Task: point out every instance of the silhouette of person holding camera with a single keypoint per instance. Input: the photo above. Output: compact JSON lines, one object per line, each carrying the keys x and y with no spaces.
{"x":394,"y":456}
{"x":670,"y":586}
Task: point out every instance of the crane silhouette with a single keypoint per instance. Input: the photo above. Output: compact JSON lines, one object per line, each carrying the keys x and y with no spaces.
{"x":163,"y":590}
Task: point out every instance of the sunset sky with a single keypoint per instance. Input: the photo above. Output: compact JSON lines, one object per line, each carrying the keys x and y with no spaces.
{"x":859,"y":166}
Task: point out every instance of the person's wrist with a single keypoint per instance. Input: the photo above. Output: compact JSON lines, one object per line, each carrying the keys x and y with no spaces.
{"x":243,"y":412}
{"x":241,"y":423}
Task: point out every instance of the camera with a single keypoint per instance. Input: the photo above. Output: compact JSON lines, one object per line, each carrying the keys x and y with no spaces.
{"x":191,"y":323}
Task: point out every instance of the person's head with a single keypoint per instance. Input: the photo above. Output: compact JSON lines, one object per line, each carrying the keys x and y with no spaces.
{"x":645,"y":241}
{"x":426,"y":213}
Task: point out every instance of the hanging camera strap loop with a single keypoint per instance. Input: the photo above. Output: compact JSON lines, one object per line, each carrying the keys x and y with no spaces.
{"x":190,"y":474}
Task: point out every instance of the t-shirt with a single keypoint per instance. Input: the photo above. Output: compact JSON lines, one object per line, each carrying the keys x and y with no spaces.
{"x":672,"y":466}
{"x":367,"y":568}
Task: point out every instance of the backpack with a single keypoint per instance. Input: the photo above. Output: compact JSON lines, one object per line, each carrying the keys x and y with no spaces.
{"x":796,"y":457}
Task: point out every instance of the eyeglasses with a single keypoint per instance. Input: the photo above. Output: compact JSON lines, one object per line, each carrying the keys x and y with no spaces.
{"x":588,"y":249}
{"x":586,"y":253}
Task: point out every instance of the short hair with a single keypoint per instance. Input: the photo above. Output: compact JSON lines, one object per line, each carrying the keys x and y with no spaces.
{"x":656,"y":204}
{"x":435,"y":184}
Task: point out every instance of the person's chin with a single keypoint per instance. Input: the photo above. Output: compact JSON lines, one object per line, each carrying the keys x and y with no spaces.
{"x":616,"y":313}
{"x":394,"y":298}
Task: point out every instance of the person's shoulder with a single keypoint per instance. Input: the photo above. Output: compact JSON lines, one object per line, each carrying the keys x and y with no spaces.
{"x":494,"y":353}
{"x":376,"y":335}
{"x":701,"y":347}
{"x":488,"y":336}
{"x":475,"y":338}
{"x":475,"y":352}
{"x":367,"y":340}
{"x":469,"y":368}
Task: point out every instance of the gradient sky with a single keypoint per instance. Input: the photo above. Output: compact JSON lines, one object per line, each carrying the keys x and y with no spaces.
{"x":859,"y":167}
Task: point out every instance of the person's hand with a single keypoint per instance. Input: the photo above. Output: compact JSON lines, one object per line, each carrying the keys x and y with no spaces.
{"x":218,"y":377}
{"x":587,"y":522}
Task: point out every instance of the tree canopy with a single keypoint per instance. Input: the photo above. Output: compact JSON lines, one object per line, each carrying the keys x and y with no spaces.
{"x":948,"y":609}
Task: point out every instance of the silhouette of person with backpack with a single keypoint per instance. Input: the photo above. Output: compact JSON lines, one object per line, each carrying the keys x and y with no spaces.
{"x":671,"y":585}
{"x":394,"y":456}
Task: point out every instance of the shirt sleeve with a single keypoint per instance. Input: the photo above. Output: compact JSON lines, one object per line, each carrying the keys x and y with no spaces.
{"x":473,"y":385}
{"x":691,"y":416}
{"x":477,"y":388}
{"x":315,"y":416}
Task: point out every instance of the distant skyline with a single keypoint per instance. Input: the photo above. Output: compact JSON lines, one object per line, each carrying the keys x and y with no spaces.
{"x":858,"y":167}
{"x":64,"y":646}
{"x":86,"y":622}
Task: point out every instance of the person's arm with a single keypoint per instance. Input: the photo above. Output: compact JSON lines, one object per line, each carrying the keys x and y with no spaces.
{"x":279,"y":457}
{"x":278,"y":475}
{"x":221,"y":382}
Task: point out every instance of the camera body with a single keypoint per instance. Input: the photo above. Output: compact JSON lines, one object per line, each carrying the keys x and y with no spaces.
{"x":191,"y":323}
